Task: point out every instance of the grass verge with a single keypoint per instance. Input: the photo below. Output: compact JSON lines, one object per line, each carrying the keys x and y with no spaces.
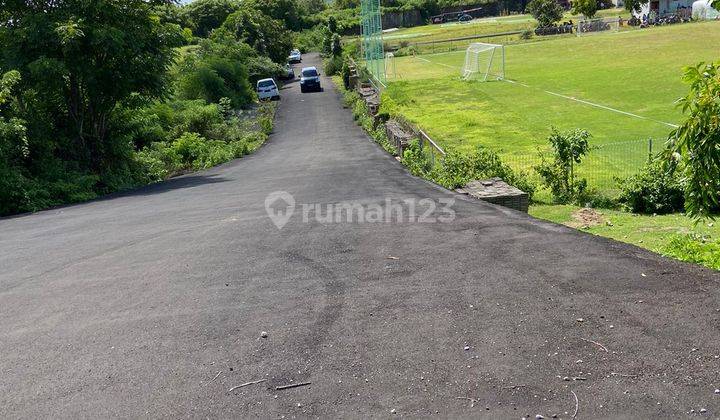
{"x":673,"y":235}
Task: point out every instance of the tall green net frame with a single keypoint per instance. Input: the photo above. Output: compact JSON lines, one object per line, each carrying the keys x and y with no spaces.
{"x":372,"y":43}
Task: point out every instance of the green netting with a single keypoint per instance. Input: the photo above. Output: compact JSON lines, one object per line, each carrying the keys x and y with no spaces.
{"x":372,"y":43}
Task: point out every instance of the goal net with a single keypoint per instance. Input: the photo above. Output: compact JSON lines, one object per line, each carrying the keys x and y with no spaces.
{"x":597,"y":26}
{"x":484,"y":62}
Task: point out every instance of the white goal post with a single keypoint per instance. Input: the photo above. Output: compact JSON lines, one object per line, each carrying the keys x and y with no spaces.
{"x":597,"y":26}
{"x":390,"y":68}
{"x":484,"y":62}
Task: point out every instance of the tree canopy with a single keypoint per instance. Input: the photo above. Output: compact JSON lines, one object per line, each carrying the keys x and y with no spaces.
{"x":587,"y":8}
{"x":266,"y":35}
{"x":693,"y":147}
{"x":206,"y":15}
{"x":546,"y":12}
{"x":86,"y":57}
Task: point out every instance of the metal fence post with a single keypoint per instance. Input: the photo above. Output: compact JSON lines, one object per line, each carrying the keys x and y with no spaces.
{"x":650,"y":148}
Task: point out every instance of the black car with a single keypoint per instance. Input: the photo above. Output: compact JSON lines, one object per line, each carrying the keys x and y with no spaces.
{"x":309,"y":80}
{"x":465,"y":18}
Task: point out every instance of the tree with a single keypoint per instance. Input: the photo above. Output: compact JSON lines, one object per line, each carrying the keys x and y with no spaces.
{"x":206,"y":15}
{"x":587,"y":8}
{"x":546,"y":12}
{"x":265,"y":34}
{"x":286,"y":11}
{"x":558,"y":173}
{"x":13,"y":148}
{"x":635,"y":6}
{"x":693,"y":148}
{"x":84,"y":58}
{"x":311,"y":7}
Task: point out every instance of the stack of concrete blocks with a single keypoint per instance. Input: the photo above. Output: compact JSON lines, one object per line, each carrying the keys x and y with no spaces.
{"x":498,"y":192}
{"x":398,"y":136}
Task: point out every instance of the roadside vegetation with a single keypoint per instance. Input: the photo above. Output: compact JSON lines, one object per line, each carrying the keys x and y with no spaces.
{"x":601,"y":143}
{"x":108,"y":97}
{"x":673,"y":235}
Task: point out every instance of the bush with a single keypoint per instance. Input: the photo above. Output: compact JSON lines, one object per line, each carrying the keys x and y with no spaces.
{"x":333,"y":65}
{"x":311,"y":39}
{"x":213,"y":78}
{"x":415,"y":160}
{"x":458,"y":169}
{"x":654,"y":190}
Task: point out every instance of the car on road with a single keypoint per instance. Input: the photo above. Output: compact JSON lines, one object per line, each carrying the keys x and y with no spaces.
{"x":289,"y":72}
{"x":267,"y":89}
{"x":310,"y":80}
{"x":295,"y":56}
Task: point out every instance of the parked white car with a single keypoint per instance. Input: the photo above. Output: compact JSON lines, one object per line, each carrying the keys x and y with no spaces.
{"x":295,"y":56}
{"x":267,"y":89}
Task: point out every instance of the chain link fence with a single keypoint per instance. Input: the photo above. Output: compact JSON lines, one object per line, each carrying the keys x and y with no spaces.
{"x":602,"y":167}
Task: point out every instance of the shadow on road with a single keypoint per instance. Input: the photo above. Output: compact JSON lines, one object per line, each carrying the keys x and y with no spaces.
{"x":182,"y":182}
{"x":188,"y":181}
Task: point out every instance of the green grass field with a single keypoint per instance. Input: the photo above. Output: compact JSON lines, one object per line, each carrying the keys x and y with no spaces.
{"x":637,"y":72}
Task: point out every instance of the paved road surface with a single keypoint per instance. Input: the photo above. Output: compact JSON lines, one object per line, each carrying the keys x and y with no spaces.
{"x":130,"y":306}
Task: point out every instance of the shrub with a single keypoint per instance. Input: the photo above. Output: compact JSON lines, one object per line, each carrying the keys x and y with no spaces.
{"x":333,"y":65}
{"x":311,"y":39}
{"x":457,"y":169}
{"x":653,"y":190}
{"x":213,"y":78}
{"x":415,"y":160}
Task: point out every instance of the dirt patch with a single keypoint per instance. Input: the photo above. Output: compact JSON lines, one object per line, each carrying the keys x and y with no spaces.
{"x":586,"y":218}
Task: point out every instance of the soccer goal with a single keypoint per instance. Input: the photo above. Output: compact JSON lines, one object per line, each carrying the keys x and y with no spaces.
{"x":597,"y":26}
{"x":484,"y":62}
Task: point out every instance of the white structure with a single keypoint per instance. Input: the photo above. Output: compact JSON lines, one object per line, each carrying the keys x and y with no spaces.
{"x":484,"y":61}
{"x":390,"y":68}
{"x":663,"y":7}
{"x":702,"y":10}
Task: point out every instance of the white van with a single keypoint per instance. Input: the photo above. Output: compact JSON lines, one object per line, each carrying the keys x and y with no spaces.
{"x":267,"y":89}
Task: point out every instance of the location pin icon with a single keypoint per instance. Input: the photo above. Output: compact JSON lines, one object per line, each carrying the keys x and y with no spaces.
{"x":274,"y":204}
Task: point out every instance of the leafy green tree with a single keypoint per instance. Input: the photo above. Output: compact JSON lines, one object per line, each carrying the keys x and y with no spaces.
{"x":546,"y":12}
{"x":311,"y":7}
{"x":14,"y":149}
{"x":265,"y":34}
{"x":206,"y":15}
{"x":558,"y":172}
{"x":172,"y":13}
{"x":694,"y":147}
{"x":635,"y":6}
{"x":214,"y":78}
{"x":286,"y":11}
{"x":84,"y":57}
{"x":587,"y":8}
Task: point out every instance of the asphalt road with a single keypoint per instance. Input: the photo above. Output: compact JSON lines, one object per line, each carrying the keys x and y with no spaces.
{"x":152,"y":303}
